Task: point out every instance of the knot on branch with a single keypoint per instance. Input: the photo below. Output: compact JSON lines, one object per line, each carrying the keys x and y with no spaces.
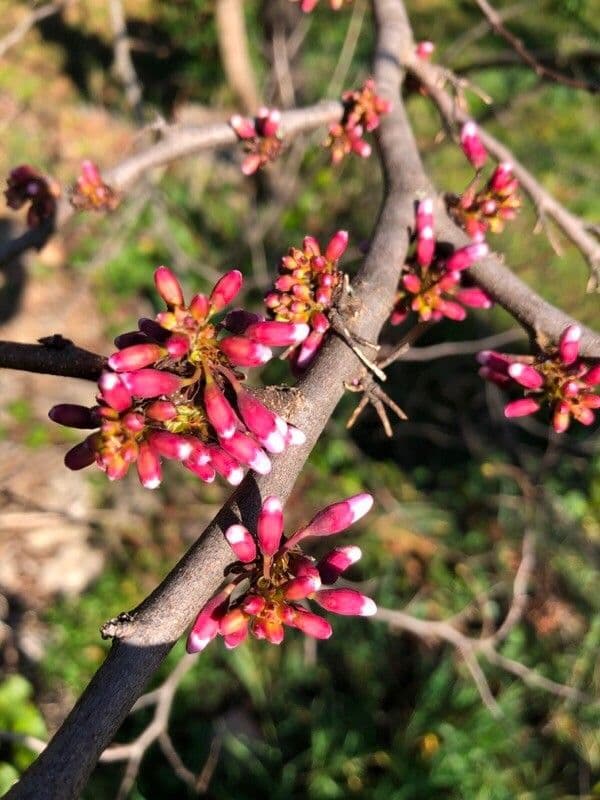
{"x":119,"y":627}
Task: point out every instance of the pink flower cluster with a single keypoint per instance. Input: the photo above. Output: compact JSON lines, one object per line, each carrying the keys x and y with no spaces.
{"x":424,"y":50}
{"x":173,"y":390}
{"x":273,"y":579}
{"x":90,"y":193}
{"x":261,"y":136}
{"x":27,"y":185}
{"x":556,"y":377}
{"x":432,"y":286}
{"x":308,"y":5}
{"x":305,"y":291}
{"x":363,"y":109}
{"x":489,"y":208}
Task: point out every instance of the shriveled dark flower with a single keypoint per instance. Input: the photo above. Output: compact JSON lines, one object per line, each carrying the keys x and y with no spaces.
{"x":272,"y":579}
{"x":26,"y":185}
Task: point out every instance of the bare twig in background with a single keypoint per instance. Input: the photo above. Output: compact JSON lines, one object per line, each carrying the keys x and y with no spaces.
{"x":495,"y":21}
{"x":27,"y":23}
{"x":235,"y":56}
{"x":123,"y":64}
{"x":340,"y":72}
{"x":281,"y":64}
{"x":451,"y":349}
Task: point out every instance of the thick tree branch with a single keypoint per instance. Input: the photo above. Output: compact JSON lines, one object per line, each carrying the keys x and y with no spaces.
{"x":434,"y":79}
{"x":63,"y":768}
{"x":176,"y":142}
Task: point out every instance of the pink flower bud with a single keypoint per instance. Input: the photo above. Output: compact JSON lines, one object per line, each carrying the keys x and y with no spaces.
{"x":243,"y":127}
{"x":452,"y":310}
{"x":496,"y":361}
{"x":244,"y":352}
{"x":337,"y":246}
{"x":521,"y":408}
{"x":253,"y":604}
{"x":319,"y":322}
{"x":300,"y":588}
{"x":270,"y":526}
{"x":73,"y":416}
{"x":527,"y":376}
{"x":398,"y":317}
{"x":561,"y":418}
{"x":467,"y":256}
{"x":226,"y":289}
{"x":206,"y":625}
{"x":294,"y":436}
{"x":474,"y":297}
{"x":232,"y":622}
{"x":346,"y":601}
{"x":226,"y":466}
{"x":411,"y":282}
{"x":232,"y":640}
{"x":278,"y":334}
{"x":309,"y":623}
{"x":177,"y":346}
{"x":271,"y":630}
{"x":425,"y":247}
{"x":590,"y":400}
{"x":199,"y":307}
{"x":201,"y":469}
{"x":242,"y":543}
{"x":135,"y":357}
{"x":592,"y":376}
{"x":148,"y":466}
{"x":424,"y":215}
{"x":170,"y":445}
{"x":251,"y":164}
{"x":472,"y":146}
{"x":568,"y":344}
{"x":308,"y":349}
{"x":161,"y":410}
{"x":361,"y":147}
{"x":243,"y":448}
{"x":168,"y":286}
{"x":134,"y":421}
{"x":269,"y":428}
{"x":502,"y":176}
{"x":425,"y":50}
{"x":336,"y":517}
{"x":219,"y":411}
{"x":80,"y":456}
{"x":583,"y":415}
{"x":150,"y":382}
{"x":337,"y":561}
{"x":269,"y":120}
{"x":114,"y":392}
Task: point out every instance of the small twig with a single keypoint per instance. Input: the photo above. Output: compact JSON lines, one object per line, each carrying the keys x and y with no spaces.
{"x":454,"y":349}
{"x":524,"y":54}
{"x":37,"y":15}
{"x":373,"y":394}
{"x":348,"y":48}
{"x":281,"y":63}
{"x":123,"y":63}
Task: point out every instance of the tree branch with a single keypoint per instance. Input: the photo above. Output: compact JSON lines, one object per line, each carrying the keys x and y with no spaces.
{"x":62,"y":770}
{"x":176,"y":142}
{"x":54,"y":356}
{"x":27,"y":23}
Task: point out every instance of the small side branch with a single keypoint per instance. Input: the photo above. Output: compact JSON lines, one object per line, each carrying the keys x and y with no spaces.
{"x":53,"y":356}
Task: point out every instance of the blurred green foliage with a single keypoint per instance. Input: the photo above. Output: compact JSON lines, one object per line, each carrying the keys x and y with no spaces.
{"x":370,"y":713}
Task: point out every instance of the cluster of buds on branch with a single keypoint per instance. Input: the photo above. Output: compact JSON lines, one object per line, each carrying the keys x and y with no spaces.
{"x":363,"y":109}
{"x":556,"y":377}
{"x":273,"y":579}
{"x":261,"y":137}
{"x":486,"y":209}
{"x":173,"y":390}
{"x":305,"y":291}
{"x":27,"y":185}
{"x":432,"y":285}
{"x":91,"y":193}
